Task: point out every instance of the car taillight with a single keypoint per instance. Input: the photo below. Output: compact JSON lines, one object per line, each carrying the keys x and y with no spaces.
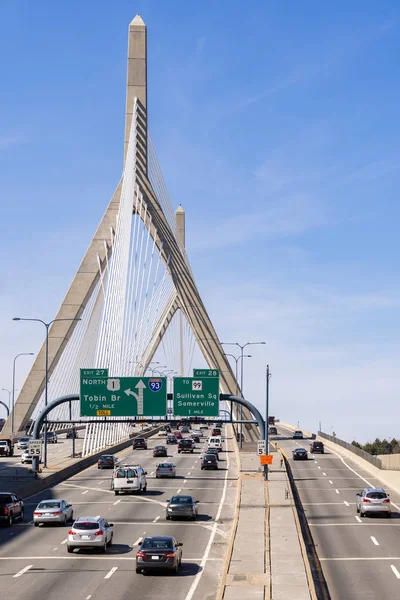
{"x":387,"y":500}
{"x":99,"y":532}
{"x":366,"y":500}
{"x":36,"y":512}
{"x":142,"y":554}
{"x":171,"y":470}
{"x":71,"y":532}
{"x":6,"y":511}
{"x":58,"y":512}
{"x":169,"y":554}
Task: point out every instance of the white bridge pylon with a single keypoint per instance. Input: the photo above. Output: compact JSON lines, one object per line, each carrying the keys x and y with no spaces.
{"x":133,"y":283}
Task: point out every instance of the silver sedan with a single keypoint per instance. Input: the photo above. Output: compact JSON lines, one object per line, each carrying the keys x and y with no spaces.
{"x":165,"y":469}
{"x":53,"y":511}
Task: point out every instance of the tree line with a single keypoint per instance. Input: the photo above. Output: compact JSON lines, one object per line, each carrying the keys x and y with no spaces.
{"x":379,"y":446}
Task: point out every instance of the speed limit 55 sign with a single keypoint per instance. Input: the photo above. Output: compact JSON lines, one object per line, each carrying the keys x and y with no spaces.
{"x":35,"y":447}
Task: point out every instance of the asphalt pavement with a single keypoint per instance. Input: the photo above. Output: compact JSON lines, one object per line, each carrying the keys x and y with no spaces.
{"x":34,"y":563}
{"x":360,"y":558}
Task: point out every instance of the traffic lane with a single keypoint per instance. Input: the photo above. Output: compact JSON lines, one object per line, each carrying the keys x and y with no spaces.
{"x":366,"y":579}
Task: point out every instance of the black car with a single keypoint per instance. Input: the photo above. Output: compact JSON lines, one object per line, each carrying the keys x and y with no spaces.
{"x":317,"y":447}
{"x":171,"y":439}
{"x":195,"y":437}
{"x":139,"y":442}
{"x":300,"y":454}
{"x":11,"y":508}
{"x":160,"y":451}
{"x":185,"y":445}
{"x":157,"y":553}
{"x":214,"y":451}
{"x":209,"y":461}
{"x":72,"y":433}
{"x":106,"y":461}
{"x":51,"y":437}
{"x":273,"y":430}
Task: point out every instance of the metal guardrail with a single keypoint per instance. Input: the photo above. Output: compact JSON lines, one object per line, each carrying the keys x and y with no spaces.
{"x":365,"y":455}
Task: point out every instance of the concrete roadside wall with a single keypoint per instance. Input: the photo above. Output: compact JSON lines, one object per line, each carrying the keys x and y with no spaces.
{"x":390,"y":462}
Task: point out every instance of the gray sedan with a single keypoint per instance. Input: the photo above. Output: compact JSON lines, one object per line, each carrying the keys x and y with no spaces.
{"x":181,"y":506}
{"x":165,"y":469}
{"x":53,"y":511}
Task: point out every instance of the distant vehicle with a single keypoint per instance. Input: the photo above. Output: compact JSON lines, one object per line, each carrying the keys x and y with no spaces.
{"x":317,"y":447}
{"x":239,"y":436}
{"x":72,"y":433}
{"x":195,"y":437}
{"x":178,"y":435}
{"x":157,"y":553}
{"x":129,"y":478}
{"x":300,"y":454}
{"x":298,"y":435}
{"x":6,"y":447}
{"x":181,"y":506}
{"x":165,"y":469}
{"x":160,"y":451}
{"x":139,"y":442}
{"x":214,"y":451}
{"x":107,"y":461}
{"x":23,"y":442}
{"x":51,"y":437}
{"x":209,"y":461}
{"x":204,"y":426}
{"x":373,"y":500}
{"x":216,"y":431}
{"x":185,"y":429}
{"x":90,"y":532}
{"x":11,"y":508}
{"x":271,"y":420}
{"x":273,"y":430}
{"x":162,"y":432}
{"x":53,"y":511}
{"x":214,"y":442}
{"x":186,"y":445}
{"x":171,"y":439}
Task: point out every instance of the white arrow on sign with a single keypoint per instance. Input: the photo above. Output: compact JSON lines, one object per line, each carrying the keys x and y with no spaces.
{"x":139,"y":397}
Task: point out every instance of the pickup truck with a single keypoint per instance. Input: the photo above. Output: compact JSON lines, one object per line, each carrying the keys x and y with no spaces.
{"x":6,"y":447}
{"x":11,"y":508}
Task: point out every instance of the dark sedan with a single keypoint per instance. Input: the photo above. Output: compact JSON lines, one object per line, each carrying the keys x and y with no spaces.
{"x":209,"y":461}
{"x":181,"y":506}
{"x":300,"y":454}
{"x":160,"y":451}
{"x":157,"y":553}
{"x":107,"y":461}
{"x":171,"y":439}
{"x":139,"y":443}
{"x":214,"y":451}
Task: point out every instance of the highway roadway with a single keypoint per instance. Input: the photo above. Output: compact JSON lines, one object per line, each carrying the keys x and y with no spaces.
{"x":360,"y":558}
{"x":34,"y":563}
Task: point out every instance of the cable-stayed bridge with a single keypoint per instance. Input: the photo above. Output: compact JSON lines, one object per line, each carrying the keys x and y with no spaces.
{"x":134,"y":294}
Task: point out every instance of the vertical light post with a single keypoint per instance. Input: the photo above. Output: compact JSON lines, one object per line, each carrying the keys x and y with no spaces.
{"x":9,"y":392}
{"x":13,"y":388}
{"x":242,"y":347}
{"x":236,"y":359}
{"x":46,"y":378}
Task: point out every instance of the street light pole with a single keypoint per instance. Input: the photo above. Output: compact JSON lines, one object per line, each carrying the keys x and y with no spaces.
{"x":46,"y":377}
{"x":13,"y":389}
{"x":268,"y":377}
{"x":236,"y":359}
{"x":242,"y":347}
{"x":9,"y":392}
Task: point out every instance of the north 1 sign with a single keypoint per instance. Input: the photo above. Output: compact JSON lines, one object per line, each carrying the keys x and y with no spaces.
{"x":103,"y":396}
{"x":195,"y":396}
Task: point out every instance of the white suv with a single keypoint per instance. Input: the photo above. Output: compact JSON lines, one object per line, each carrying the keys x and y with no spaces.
{"x":373,"y":500}
{"x":129,"y":478}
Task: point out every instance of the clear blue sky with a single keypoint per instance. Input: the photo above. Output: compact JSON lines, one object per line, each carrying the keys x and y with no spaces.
{"x":277,"y":128}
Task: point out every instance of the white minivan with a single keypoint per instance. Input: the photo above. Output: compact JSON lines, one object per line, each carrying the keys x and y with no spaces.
{"x":215,"y":442}
{"x":129,"y":478}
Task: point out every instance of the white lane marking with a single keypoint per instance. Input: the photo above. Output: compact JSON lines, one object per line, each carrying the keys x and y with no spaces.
{"x":330,"y":481}
{"x":65,"y":541}
{"x":137,"y":541}
{"x":346,"y":503}
{"x":358,"y":519}
{"x":54,"y":549}
{"x":88,"y":597}
{"x":116,"y":502}
{"x":185,"y":481}
{"x":374,"y":540}
{"x":395,"y":571}
{"x":319,"y":467}
{"x":24,"y":570}
{"x":85,"y":492}
{"x":337,"y":491}
{"x":156,"y":519}
{"x":324,"y":474}
{"x":203,"y":562}
{"x":189,"y":472}
{"x":110,"y":573}
{"x":179,"y":491}
{"x":152,"y":473}
{"x":100,"y":482}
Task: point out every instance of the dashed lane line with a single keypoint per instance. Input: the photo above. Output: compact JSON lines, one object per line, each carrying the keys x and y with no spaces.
{"x":156,"y":519}
{"x":374,"y":540}
{"x":138,"y":541}
{"x":110,"y":573}
{"x":330,"y":481}
{"x":346,"y":503}
{"x":85,"y":492}
{"x":395,"y":571}
{"x":116,"y":502}
{"x":24,"y":570}
{"x":358,"y":519}
{"x":337,"y":491}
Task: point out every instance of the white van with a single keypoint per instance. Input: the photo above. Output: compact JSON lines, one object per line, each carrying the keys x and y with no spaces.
{"x":129,"y":478}
{"x":215,"y":442}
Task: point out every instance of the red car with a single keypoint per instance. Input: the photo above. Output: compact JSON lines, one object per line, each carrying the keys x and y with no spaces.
{"x":178,"y":435}
{"x":216,"y":431}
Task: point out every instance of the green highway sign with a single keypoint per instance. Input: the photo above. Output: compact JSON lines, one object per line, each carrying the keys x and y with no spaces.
{"x":194,"y":396}
{"x":205,"y":372}
{"x":104,"y":396}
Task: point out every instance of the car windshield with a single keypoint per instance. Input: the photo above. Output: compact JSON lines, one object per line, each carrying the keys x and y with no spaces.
{"x":181,"y":500}
{"x":157,"y":544}
{"x":126,"y":473}
{"x":106,"y":457}
{"x":159,"y":448}
{"x":210,"y":457}
{"x":49,"y":505}
{"x":4,"y":499}
{"x":166,"y":465}
{"x":86,"y":525}
{"x":139,"y":440}
{"x":377,"y":495}
{"x":24,"y":439}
